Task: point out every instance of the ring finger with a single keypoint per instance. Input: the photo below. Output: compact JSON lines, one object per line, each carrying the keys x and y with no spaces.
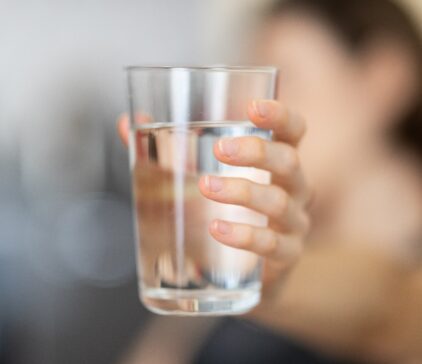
{"x":279,"y":158}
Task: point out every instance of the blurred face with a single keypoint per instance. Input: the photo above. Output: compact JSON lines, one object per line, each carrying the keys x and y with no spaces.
{"x":322,"y":81}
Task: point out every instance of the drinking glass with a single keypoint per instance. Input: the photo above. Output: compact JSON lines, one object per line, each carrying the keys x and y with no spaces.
{"x":177,"y":114}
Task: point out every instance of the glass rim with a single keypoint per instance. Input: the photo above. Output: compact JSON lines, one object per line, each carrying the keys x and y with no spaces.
{"x":224,"y":68}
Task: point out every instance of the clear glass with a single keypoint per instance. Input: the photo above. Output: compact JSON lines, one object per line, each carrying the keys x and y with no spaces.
{"x":177,"y":114}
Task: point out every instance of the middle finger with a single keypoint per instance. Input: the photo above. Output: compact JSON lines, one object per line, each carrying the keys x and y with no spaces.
{"x":279,"y":158}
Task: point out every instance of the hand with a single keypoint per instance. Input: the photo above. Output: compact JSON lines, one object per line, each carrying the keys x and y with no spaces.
{"x":283,"y":201}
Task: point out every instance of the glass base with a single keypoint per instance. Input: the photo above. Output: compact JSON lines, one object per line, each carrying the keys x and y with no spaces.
{"x":168,"y":301}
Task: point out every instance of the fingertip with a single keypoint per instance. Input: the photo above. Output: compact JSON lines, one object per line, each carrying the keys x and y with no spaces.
{"x":218,"y":153}
{"x":256,"y":114}
{"x":273,"y":114}
{"x":216,"y":150}
{"x":202,"y":184}
{"x":212,"y":228}
{"x":262,"y":112}
{"x":123,"y":119}
{"x":222,"y":231}
{"x":223,"y":227}
{"x":123,"y":128}
{"x":226,"y":150}
{"x":252,"y":113}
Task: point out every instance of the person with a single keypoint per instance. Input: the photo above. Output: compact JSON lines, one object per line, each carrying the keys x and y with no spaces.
{"x":353,"y":70}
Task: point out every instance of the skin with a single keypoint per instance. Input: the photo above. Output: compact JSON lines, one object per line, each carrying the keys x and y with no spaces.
{"x":357,"y":288}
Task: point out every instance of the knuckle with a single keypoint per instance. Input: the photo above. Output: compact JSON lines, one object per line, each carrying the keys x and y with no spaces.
{"x":292,"y":161}
{"x":248,"y":237}
{"x":271,"y":246}
{"x":279,"y":203}
{"x":259,"y":150}
{"x":244,"y":193}
{"x":282,"y":114}
{"x":299,"y":127}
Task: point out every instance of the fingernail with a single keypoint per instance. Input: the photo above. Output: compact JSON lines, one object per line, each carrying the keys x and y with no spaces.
{"x":223,"y":227}
{"x":228,"y":146}
{"x":213,"y":184}
{"x":262,"y":108}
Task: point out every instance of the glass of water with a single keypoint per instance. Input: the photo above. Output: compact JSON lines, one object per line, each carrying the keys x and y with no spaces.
{"x":177,"y":114}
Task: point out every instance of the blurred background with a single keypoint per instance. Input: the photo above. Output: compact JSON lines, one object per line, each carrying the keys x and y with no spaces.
{"x":67,"y":270}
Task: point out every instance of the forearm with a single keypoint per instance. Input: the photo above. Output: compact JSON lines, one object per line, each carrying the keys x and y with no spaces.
{"x":401,"y":338}
{"x":336,"y":298}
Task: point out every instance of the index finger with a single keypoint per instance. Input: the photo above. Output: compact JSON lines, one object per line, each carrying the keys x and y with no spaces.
{"x":270,"y":114}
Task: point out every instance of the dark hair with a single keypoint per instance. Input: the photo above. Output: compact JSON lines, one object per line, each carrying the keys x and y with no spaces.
{"x":357,"y":22}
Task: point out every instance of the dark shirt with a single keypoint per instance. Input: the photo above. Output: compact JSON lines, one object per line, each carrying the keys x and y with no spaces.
{"x":241,"y":342}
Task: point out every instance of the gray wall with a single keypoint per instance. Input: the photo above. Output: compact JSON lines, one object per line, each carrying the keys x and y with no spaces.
{"x":67,"y":276}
